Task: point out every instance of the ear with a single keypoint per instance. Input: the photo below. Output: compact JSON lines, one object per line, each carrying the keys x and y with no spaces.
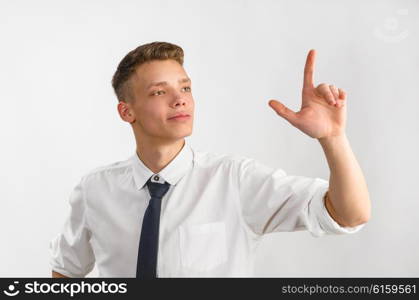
{"x":126,"y":112}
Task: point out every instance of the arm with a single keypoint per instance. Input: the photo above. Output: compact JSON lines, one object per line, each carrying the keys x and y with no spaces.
{"x":58,"y":275}
{"x":323,"y":116}
{"x":71,"y":251}
{"x":347,"y":199}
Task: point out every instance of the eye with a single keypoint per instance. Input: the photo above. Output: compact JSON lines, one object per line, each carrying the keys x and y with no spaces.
{"x":157,"y":93}
{"x":154,"y":93}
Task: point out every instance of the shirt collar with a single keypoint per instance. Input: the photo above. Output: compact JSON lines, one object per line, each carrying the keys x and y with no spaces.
{"x":172,"y":173}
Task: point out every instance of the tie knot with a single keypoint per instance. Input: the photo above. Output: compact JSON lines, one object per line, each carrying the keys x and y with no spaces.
{"x":157,"y":190}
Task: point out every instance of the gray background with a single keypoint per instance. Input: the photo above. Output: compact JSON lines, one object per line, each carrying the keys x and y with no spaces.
{"x":58,"y":116}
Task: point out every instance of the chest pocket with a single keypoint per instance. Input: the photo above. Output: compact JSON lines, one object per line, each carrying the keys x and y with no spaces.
{"x":203,"y":246}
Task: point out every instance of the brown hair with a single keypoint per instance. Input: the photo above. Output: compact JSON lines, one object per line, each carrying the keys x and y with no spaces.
{"x":143,"y":53}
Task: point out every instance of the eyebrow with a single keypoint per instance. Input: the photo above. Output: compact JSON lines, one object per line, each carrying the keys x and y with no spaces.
{"x":186,"y":79}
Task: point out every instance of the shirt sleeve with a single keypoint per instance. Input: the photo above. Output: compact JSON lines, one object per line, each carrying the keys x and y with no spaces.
{"x":272,"y":201}
{"x":71,"y":252}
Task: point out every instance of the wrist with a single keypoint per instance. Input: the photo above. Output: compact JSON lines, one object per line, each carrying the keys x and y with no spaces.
{"x":332,"y":139}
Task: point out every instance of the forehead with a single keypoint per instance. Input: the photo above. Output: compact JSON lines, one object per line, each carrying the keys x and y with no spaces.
{"x":158,"y":70}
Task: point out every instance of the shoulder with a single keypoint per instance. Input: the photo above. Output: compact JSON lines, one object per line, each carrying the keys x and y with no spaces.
{"x":206,"y":159}
{"x":239,"y":164}
{"x":110,"y":171}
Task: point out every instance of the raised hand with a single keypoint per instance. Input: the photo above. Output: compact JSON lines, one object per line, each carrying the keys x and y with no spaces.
{"x":323,"y":110}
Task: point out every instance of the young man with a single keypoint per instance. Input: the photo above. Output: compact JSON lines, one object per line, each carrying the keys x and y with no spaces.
{"x":172,"y":211}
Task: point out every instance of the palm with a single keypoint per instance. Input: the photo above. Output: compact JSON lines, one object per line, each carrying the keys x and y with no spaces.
{"x":322,"y":112}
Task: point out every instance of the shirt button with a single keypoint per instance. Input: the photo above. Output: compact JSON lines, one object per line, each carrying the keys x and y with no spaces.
{"x":156,"y":178}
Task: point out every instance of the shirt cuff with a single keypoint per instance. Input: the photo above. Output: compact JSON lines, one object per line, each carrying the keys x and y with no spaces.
{"x":327,"y":224}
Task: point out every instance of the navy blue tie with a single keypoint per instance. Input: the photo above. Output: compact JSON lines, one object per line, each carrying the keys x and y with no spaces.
{"x":149,"y":240}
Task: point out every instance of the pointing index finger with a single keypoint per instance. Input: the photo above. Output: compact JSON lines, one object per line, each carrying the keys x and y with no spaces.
{"x":309,"y":69}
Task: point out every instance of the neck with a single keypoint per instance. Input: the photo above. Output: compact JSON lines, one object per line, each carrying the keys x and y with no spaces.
{"x":157,"y":155}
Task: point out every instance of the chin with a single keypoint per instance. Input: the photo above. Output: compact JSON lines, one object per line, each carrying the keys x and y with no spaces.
{"x":185,"y":134}
{"x":176,"y":135}
{"x":182,"y":132}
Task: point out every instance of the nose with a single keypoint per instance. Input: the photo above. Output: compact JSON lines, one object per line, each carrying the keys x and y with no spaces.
{"x":179,"y":100}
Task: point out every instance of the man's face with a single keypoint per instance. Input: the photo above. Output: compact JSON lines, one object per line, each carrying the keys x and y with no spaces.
{"x":154,"y":105}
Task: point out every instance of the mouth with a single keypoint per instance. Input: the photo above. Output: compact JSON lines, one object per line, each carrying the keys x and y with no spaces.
{"x":180,"y":117}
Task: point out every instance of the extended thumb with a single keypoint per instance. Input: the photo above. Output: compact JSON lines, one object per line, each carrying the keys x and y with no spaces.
{"x":282,"y":110}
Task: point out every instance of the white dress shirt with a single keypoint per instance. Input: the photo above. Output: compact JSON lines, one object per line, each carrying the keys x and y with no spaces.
{"x":212,"y":217}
